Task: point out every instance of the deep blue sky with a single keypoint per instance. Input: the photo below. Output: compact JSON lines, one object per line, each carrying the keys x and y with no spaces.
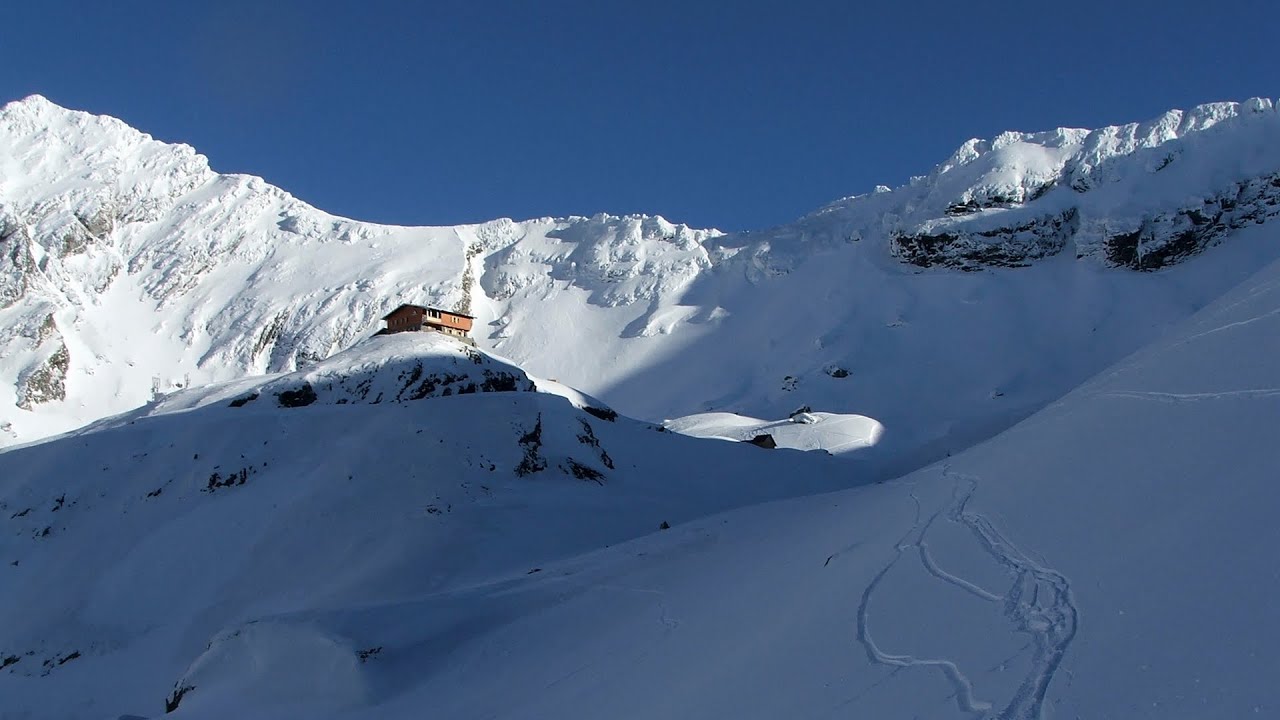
{"x":737,"y":114}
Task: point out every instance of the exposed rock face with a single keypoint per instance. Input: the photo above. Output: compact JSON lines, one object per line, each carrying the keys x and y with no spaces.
{"x":1118,"y":194}
{"x":16,"y":263}
{"x":85,"y":230}
{"x":1160,"y":239}
{"x":47,"y":381}
{"x":1015,"y":246}
{"x":301,"y":396}
{"x":1169,"y":238}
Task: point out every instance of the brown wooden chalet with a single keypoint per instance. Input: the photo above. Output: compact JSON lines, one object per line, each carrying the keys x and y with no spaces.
{"x":417,"y":318}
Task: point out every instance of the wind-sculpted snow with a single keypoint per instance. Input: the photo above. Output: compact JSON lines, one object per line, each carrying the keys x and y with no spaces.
{"x":130,"y":270}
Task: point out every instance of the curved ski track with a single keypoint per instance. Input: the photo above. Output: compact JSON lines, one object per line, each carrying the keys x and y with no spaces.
{"x":1038,"y":603}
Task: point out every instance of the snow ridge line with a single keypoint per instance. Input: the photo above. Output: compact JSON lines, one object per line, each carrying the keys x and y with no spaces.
{"x":1039,"y":603}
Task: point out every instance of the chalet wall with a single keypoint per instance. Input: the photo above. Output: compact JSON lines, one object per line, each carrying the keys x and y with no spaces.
{"x":411,"y":318}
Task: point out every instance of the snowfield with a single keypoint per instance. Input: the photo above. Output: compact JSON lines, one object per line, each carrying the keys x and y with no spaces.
{"x":1038,"y":389}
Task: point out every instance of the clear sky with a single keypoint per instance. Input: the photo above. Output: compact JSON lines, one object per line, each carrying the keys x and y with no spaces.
{"x":736,"y":115}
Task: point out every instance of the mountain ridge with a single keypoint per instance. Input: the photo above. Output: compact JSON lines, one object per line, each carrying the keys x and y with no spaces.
{"x":204,"y":277}
{"x":1049,"y":456}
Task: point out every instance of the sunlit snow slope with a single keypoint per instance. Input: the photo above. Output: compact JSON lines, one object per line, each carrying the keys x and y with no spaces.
{"x":829,"y":432}
{"x":945,"y":309}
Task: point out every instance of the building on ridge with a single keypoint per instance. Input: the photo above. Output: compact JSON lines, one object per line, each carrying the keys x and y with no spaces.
{"x":419,"y":318}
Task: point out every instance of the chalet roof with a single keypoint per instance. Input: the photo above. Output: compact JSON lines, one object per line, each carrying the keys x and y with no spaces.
{"x":424,"y":307}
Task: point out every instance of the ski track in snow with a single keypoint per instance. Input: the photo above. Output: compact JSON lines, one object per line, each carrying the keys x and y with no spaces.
{"x":1232,"y":325}
{"x":1170,"y":397}
{"x":1039,"y":603}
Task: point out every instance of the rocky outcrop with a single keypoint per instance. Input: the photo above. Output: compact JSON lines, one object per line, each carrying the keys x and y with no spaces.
{"x":396,"y":368}
{"x":1166,"y":239}
{"x":47,"y":381}
{"x":16,"y":262}
{"x":1015,"y":246}
{"x":86,"y":229}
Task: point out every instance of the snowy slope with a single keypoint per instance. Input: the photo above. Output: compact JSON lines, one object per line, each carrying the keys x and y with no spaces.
{"x":390,"y":368}
{"x":194,"y":537}
{"x":384,"y":526}
{"x":130,"y":269}
{"x":1110,"y":556}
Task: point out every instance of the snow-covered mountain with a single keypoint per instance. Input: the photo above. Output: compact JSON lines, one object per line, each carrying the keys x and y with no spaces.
{"x":130,"y":269}
{"x":509,"y":553}
{"x":291,"y":518}
{"x":1110,"y":557}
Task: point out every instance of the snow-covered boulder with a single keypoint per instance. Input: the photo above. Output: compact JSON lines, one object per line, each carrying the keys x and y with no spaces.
{"x":834,"y":433}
